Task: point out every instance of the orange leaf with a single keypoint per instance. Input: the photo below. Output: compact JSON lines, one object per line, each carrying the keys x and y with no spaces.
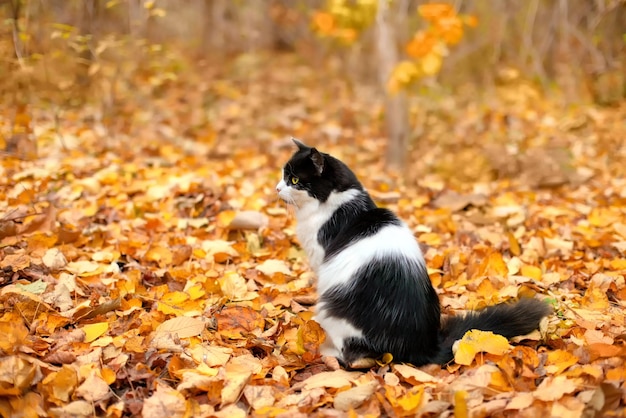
{"x":493,"y":265}
{"x":324,"y":22}
{"x":14,"y":335}
{"x":435,"y":11}
{"x":239,"y":321}
{"x":310,"y":337}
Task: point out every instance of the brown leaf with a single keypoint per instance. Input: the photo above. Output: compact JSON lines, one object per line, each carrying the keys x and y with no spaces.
{"x":239,"y":321}
{"x":165,"y":402}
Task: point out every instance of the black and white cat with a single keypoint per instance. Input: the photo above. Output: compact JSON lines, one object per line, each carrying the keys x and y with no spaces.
{"x":375,"y":295}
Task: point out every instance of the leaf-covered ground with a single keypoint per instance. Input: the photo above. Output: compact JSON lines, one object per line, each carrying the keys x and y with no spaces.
{"x":147,"y":267}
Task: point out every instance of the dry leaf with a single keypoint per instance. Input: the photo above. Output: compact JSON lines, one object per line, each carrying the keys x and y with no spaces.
{"x":165,"y":402}
{"x":476,"y":341}
{"x":553,"y":388}
{"x":182,"y":326}
{"x":334,"y":379}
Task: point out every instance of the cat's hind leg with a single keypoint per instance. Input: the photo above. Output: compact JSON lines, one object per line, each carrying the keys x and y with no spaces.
{"x":357,"y":353}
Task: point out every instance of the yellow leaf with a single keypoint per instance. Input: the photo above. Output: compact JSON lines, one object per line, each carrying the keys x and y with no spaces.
{"x":225,"y":217}
{"x":533,"y":272}
{"x":402,"y":76}
{"x":196,"y":291}
{"x":559,"y":360}
{"x":475,"y":341}
{"x":412,"y":400}
{"x":431,"y":63}
{"x":93,"y":331}
{"x":493,"y":265}
{"x":514,"y":246}
{"x":595,"y":298}
{"x":602,"y":217}
{"x":108,"y":375}
{"x":175,"y":298}
{"x":160,"y":255}
{"x":430,"y":238}
{"x":385,"y":359}
{"x":618,"y":264}
{"x":460,"y":404}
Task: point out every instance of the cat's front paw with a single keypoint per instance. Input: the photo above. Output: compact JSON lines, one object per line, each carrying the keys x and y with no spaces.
{"x":362,"y":363}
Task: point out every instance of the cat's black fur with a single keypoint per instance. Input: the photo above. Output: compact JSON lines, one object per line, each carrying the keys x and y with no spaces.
{"x":390,"y":298}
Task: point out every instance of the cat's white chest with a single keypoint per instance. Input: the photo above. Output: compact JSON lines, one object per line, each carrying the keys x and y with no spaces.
{"x":312,"y":216}
{"x":310,"y":221}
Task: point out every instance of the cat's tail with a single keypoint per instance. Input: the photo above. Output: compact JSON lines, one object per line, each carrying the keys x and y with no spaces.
{"x":506,"y":319}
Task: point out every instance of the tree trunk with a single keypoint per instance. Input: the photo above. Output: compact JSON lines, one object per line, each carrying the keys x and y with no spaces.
{"x":396,"y":112}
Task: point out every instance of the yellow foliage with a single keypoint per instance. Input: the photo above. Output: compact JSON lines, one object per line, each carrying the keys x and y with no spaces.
{"x":405,"y":73}
{"x":93,"y":331}
{"x":476,"y":341}
{"x":428,"y":47}
{"x":344,"y":20}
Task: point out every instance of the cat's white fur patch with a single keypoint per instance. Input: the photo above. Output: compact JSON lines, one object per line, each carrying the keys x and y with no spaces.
{"x":390,"y":240}
{"x":337,"y":330}
{"x":311,"y":215}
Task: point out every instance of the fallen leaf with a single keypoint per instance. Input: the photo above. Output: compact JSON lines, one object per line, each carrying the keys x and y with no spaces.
{"x":553,"y":388}
{"x":412,"y":375}
{"x":238,"y":370}
{"x":271,"y":267}
{"x":54,"y":259}
{"x":334,"y":379}
{"x":475,"y":341}
{"x":93,"y":331}
{"x":93,"y":389}
{"x":239,"y":321}
{"x":36,"y":288}
{"x":165,"y":402}
{"x":182,"y":326}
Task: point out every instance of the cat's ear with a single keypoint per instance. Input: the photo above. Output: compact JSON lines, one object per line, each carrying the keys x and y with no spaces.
{"x":318,"y":160}
{"x":300,"y":145}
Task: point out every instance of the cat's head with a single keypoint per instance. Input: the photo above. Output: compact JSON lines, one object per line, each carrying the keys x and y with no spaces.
{"x":312,"y":175}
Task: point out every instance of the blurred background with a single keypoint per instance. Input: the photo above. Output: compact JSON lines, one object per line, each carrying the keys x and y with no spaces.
{"x":217,"y":68}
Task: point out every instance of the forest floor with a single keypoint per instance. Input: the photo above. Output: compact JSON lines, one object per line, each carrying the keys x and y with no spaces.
{"x":147,"y":266}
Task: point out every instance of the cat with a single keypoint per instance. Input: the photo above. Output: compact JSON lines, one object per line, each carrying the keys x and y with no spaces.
{"x":375,"y":295}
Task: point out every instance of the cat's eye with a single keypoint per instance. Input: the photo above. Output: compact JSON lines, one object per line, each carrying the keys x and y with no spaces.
{"x":295,"y":180}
